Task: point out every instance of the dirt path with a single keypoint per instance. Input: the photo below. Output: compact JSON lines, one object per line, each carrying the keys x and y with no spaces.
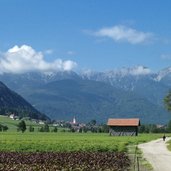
{"x":157,"y":154}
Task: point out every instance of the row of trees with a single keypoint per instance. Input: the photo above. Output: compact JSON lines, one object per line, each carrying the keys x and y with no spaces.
{"x":148,"y":128}
{"x":152,"y":128}
{"x":3,"y":128}
{"x":22,"y":127}
{"x":94,"y":129}
{"x":90,"y":127}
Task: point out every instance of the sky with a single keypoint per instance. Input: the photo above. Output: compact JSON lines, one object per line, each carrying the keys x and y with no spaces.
{"x":50,"y":35}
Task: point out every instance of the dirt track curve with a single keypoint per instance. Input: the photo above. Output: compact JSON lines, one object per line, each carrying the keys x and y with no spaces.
{"x":157,"y":154}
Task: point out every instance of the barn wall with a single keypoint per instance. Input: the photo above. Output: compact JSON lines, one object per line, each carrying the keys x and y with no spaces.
{"x":123,"y":130}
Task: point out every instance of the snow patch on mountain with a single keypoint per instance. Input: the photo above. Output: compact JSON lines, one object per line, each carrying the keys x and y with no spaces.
{"x":163,"y":73}
{"x":123,"y":72}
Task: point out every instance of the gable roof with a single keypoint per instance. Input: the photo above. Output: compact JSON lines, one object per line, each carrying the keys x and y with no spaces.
{"x":124,"y":122}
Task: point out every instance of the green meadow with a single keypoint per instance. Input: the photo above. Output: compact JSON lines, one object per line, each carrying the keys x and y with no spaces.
{"x":12,"y":124}
{"x":64,"y":141}
{"x":36,"y":141}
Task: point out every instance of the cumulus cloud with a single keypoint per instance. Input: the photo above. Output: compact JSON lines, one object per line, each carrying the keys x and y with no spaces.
{"x":25,"y":58}
{"x":121,"y":33}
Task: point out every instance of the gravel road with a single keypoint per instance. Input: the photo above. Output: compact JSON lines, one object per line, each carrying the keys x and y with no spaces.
{"x":157,"y":154}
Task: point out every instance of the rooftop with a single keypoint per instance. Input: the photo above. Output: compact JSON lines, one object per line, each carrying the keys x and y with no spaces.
{"x":124,"y":122}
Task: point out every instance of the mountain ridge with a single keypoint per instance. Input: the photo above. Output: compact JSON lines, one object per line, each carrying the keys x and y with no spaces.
{"x":11,"y":102}
{"x":138,"y":83}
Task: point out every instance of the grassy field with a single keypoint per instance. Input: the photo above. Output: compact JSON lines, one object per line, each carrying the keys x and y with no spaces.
{"x":34,"y":142}
{"x":12,"y":124}
{"x":63,"y":141}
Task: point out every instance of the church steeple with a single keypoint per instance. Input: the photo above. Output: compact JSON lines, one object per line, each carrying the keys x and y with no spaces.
{"x":74,"y":120}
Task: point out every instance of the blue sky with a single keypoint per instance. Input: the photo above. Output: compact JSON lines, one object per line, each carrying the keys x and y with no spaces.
{"x":93,"y":34}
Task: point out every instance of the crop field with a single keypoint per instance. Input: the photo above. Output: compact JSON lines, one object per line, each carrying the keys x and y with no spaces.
{"x":64,"y":161}
{"x":67,"y":151}
{"x":67,"y":142}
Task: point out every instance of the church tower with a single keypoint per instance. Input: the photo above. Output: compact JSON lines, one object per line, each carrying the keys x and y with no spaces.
{"x":74,"y":120}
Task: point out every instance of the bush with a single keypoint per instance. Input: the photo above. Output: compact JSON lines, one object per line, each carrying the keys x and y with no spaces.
{"x":3,"y":128}
{"x":45,"y":128}
{"x":31,"y":128}
{"x":55,"y":129}
{"x":22,"y":126}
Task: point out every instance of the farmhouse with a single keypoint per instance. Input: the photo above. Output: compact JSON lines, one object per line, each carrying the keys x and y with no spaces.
{"x":123,"y":127}
{"x":13,"y":117}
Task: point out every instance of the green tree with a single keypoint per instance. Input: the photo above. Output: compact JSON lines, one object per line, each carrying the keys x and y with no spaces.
{"x":22,"y":126}
{"x":72,"y":130}
{"x":142,"y":129}
{"x":46,"y":128}
{"x":167,"y":101}
{"x":153,"y":128}
{"x":31,"y":128}
{"x":169,"y":126}
{"x":3,"y":128}
{"x":41,"y":129}
{"x":93,"y":122}
{"x":105,"y":128}
{"x":84,"y":129}
{"x":55,"y":129}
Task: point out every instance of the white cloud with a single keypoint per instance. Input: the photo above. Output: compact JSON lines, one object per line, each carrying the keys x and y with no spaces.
{"x":25,"y":58}
{"x":120,"y":33}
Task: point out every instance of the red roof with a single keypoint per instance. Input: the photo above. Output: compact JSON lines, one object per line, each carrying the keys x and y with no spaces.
{"x":124,"y":122}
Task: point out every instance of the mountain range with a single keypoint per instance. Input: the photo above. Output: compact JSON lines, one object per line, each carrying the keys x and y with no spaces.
{"x":126,"y":92}
{"x":11,"y":102}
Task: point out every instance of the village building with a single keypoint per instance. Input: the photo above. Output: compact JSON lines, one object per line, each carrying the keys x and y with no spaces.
{"x":123,"y":127}
{"x":41,"y":123}
{"x":13,"y":117}
{"x":161,"y":126}
{"x":74,"y":120}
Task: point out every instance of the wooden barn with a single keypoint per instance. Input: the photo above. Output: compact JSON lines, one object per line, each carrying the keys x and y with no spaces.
{"x":123,"y":127}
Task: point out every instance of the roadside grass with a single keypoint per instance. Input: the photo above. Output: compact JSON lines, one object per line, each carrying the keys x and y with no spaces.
{"x":144,"y":165}
{"x":169,"y":145}
{"x":134,"y":152}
